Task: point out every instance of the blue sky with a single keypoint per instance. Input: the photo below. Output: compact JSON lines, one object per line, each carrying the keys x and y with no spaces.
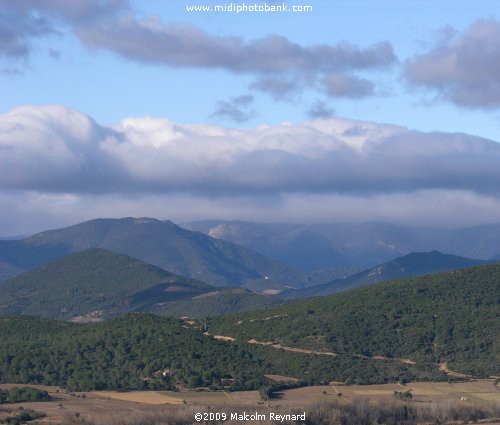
{"x":109,"y":87}
{"x":356,"y":111}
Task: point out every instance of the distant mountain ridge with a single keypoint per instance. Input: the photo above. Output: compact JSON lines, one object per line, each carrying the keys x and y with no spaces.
{"x":351,"y":247}
{"x":288,"y":243}
{"x":411,"y":265}
{"x":265,"y":258}
{"x":160,"y":243}
{"x":95,"y":284}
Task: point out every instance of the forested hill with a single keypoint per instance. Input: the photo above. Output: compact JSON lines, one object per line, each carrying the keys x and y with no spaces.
{"x":388,"y":332}
{"x":93,"y":281}
{"x":451,"y":317}
{"x":96,"y":284}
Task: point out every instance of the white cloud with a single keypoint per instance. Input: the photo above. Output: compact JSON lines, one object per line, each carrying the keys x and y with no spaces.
{"x":56,"y":149}
{"x":464,"y":68}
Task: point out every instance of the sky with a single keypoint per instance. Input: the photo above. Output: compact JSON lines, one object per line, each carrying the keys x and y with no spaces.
{"x":352,"y":111}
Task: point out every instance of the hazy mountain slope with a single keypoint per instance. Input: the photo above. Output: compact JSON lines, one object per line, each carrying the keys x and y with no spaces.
{"x":383,"y":241}
{"x":8,"y":271}
{"x":289,"y":243}
{"x":344,"y":245}
{"x":414,"y":264}
{"x":161,"y":243}
{"x":451,"y":317}
{"x":90,"y":281}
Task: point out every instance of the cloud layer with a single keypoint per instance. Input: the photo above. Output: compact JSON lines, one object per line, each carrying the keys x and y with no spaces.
{"x":55,"y":149}
{"x":61,"y":165}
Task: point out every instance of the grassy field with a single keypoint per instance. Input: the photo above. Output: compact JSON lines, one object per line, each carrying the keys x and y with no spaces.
{"x":98,"y":406}
{"x":475,"y":392}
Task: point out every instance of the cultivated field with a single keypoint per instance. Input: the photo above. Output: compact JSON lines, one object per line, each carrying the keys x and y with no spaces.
{"x":97,"y":406}
{"x":473,"y":392}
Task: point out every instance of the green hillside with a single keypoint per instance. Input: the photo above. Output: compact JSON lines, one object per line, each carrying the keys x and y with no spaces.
{"x":395,"y":331}
{"x":93,"y":281}
{"x":450,"y":317}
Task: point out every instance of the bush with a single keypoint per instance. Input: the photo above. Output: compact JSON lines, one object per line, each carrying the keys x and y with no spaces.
{"x":23,"y":416}
{"x":24,"y":394}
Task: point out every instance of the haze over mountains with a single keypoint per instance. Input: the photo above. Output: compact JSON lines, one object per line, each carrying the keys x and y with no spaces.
{"x":347,"y":245}
{"x":283,"y":259}
{"x":96,"y":284}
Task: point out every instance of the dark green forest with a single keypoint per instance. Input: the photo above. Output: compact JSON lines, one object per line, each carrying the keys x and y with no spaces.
{"x":141,"y":351}
{"x":130,"y":352}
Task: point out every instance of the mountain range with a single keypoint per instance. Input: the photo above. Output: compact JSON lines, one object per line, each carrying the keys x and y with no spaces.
{"x":349,"y":247}
{"x":212,"y":259}
{"x":399,"y":330}
{"x":95,"y":283}
{"x":160,"y":243}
